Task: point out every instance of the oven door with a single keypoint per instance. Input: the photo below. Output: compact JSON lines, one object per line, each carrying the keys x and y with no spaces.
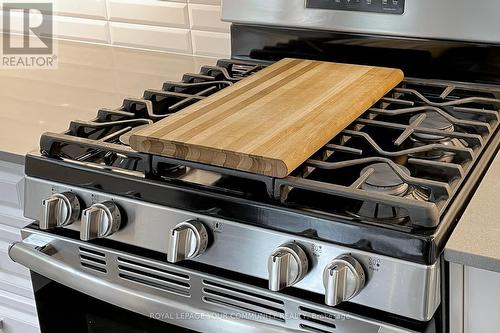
{"x":82,"y":287}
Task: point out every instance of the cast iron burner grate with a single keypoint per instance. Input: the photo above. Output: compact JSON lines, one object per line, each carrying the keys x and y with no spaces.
{"x":427,"y":133}
{"x":103,"y":142}
{"x":399,"y":165}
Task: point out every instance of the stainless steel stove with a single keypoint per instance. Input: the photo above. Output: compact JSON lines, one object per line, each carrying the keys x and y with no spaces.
{"x":351,"y":241}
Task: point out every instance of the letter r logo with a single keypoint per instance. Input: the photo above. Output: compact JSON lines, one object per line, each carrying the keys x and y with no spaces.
{"x":34,"y":21}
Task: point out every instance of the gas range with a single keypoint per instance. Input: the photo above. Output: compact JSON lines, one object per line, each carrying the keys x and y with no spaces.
{"x":351,"y":241}
{"x":395,"y":171}
{"x":377,"y":201}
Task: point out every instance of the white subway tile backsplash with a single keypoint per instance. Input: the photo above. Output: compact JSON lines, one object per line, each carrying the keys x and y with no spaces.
{"x":206,"y":17}
{"x":68,"y":27}
{"x":150,"y":12}
{"x":81,"y":29}
{"x":81,"y":8}
{"x":151,"y":37}
{"x":75,"y":8}
{"x":181,"y":26}
{"x":212,"y":44}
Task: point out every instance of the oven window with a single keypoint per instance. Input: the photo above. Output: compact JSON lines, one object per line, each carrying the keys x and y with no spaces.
{"x":61,"y":309}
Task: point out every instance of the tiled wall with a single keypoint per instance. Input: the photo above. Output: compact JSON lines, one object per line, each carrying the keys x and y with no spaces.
{"x":180,"y":26}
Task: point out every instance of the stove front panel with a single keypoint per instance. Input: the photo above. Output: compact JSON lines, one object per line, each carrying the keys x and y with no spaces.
{"x":110,"y":289}
{"x":245,"y":249}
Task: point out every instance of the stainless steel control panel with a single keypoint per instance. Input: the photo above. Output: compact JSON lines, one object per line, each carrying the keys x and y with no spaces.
{"x":218,"y":304}
{"x":286,"y":260}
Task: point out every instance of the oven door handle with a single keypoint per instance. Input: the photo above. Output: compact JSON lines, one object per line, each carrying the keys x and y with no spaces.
{"x":147,"y":304}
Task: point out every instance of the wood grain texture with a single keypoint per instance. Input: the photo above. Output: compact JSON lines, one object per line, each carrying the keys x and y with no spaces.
{"x":273,"y":121}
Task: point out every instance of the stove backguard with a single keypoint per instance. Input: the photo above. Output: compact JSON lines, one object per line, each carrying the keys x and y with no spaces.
{"x":461,"y":20}
{"x":418,"y":58}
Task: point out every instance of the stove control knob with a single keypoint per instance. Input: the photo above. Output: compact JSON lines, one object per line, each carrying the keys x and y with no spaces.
{"x":100,"y":220}
{"x":59,"y":210}
{"x":287,"y":265}
{"x":343,"y":279}
{"x":187,"y":240}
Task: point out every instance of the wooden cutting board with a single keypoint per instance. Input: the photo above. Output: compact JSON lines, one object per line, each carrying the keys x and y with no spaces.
{"x":272,"y":121}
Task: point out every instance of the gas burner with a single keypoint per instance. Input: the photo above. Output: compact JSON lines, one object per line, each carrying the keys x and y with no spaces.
{"x":383,"y":179}
{"x":432,"y":120}
{"x":435,"y":121}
